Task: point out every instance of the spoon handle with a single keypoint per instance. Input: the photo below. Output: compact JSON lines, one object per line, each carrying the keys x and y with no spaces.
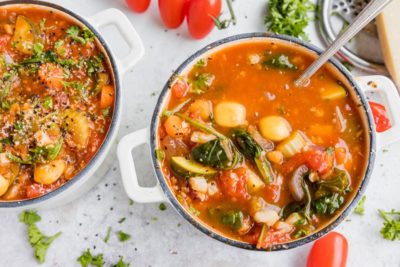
{"x":366,"y":16}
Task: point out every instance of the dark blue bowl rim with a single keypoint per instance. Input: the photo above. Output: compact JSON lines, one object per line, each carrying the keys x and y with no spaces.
{"x":114,"y":123}
{"x":293,"y":244}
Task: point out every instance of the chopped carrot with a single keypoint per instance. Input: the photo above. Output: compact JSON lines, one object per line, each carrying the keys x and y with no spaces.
{"x":107,"y":96}
{"x":179,"y":89}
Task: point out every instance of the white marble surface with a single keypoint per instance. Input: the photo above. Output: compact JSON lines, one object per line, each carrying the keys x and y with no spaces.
{"x":157,"y":240}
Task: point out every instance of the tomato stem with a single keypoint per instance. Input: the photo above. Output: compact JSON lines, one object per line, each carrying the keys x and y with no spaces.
{"x":223,"y":24}
{"x":231,"y":11}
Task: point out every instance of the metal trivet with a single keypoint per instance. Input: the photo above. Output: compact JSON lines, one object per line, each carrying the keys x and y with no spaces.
{"x":364,"y":50}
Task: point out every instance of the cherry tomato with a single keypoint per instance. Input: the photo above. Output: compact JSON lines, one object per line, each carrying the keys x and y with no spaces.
{"x":199,"y":17}
{"x":172,"y":12}
{"x":329,"y":251}
{"x":138,"y":6}
{"x":381,"y":117}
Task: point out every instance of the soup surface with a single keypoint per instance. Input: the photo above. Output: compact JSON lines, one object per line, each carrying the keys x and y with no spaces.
{"x":251,"y":155}
{"x":57,"y":98}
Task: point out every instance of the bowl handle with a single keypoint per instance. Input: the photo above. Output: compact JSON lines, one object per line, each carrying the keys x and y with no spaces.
{"x":391,"y":100}
{"x":115,"y":17}
{"x":128,"y":172}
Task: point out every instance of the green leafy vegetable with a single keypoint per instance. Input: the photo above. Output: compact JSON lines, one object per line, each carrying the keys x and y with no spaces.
{"x":123,"y":236}
{"x":201,"y":63}
{"x":217,"y":153}
{"x":83,"y":37}
{"x":121,"y":263}
{"x":360,"y":206}
{"x":94,"y":64}
{"x":329,"y":204}
{"x":37,"y":239}
{"x":234,"y":219}
{"x":338,"y":183}
{"x":289,"y":17}
{"x":38,"y":49}
{"x":107,"y":237}
{"x":53,"y":152}
{"x":87,"y":259}
{"x":254,"y":152}
{"x":391,"y":225}
{"x":279,"y":62}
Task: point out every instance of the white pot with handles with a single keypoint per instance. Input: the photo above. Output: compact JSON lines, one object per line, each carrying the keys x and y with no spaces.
{"x":358,"y":87}
{"x":105,"y":156}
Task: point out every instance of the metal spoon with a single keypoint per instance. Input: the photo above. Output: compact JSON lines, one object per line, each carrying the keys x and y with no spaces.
{"x":366,"y":16}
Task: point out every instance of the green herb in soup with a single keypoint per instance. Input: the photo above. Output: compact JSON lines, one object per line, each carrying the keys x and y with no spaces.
{"x":254,"y":157}
{"x":56,"y":101}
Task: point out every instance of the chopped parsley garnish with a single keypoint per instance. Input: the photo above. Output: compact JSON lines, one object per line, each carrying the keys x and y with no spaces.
{"x":37,"y":239}
{"x":201,"y":82}
{"x":360,"y":206}
{"x":122,"y":236}
{"x":162,"y":207}
{"x":160,"y":154}
{"x":279,"y":62}
{"x":94,"y":64}
{"x":121,"y":263}
{"x":131,"y":202}
{"x":48,"y":102}
{"x":83,"y":37}
{"x":201,"y":63}
{"x":289,"y":17}
{"x":75,"y":85}
{"x":122,"y":220}
{"x":106,"y":112}
{"x":87,"y":259}
{"x":38,"y":49}
{"x":391,"y":225}
{"x":107,"y":237}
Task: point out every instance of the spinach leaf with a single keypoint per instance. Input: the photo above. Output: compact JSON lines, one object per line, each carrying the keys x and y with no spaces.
{"x":217,"y":153}
{"x":337,"y":184}
{"x":329,"y":204}
{"x":254,"y":152}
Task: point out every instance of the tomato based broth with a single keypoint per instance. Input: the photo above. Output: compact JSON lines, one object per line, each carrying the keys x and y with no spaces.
{"x":254,"y":157}
{"x":57,"y":100}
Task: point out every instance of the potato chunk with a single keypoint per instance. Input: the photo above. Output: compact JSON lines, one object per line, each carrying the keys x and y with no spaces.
{"x":230,"y":114}
{"x":50,"y":172}
{"x":4,"y":184}
{"x":275,"y":128}
{"x":24,"y":35}
{"x":77,"y":125}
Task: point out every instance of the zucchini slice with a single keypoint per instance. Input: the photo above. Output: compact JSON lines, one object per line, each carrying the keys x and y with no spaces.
{"x":185,"y":168}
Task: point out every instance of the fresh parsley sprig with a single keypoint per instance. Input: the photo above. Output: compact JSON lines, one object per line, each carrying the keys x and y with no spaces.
{"x":391,"y":225}
{"x":37,"y":239}
{"x":289,"y":17}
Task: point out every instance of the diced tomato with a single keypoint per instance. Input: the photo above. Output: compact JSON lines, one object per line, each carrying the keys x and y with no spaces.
{"x":272,"y":192}
{"x":36,"y":190}
{"x":381,"y":117}
{"x":273,"y":237}
{"x":315,"y":159}
{"x":4,"y":41}
{"x":180,"y":89}
{"x":234,"y":184}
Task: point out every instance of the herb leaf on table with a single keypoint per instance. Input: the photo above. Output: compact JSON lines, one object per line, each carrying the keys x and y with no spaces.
{"x":87,"y":259}
{"x":37,"y":239}
{"x":391,"y":225}
{"x":360,"y":206}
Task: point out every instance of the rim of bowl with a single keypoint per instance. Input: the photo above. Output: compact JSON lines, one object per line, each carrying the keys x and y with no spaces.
{"x":195,"y":221}
{"x":107,"y":142}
